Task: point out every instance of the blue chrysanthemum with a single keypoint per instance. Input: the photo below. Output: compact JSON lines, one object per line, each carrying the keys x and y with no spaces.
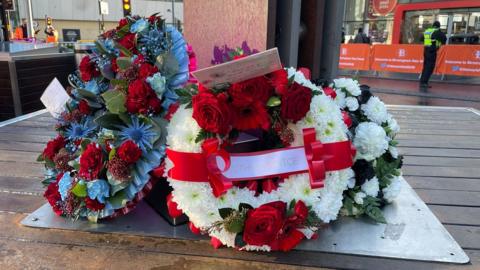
{"x":142,"y":134}
{"x":98,"y":189}
{"x":64,"y":185}
{"x":78,"y":131}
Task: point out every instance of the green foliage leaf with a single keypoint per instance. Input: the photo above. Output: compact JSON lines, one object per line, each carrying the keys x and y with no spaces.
{"x":119,"y":200}
{"x":49,"y":163}
{"x":116,"y":185}
{"x":86,"y":94}
{"x":239,"y":241}
{"x":112,"y":154}
{"x":274,"y":101}
{"x":48,"y":181}
{"x":115,"y":101}
{"x":235,"y":224}
{"x":101,"y":49}
{"x":386,"y":170}
{"x":124,"y":50}
{"x":40,"y":158}
{"x":119,"y":82}
{"x":160,"y":126}
{"x":109,"y":121}
{"x":225,"y":212}
{"x":202,"y":135}
{"x":84,"y":143}
{"x":244,"y":206}
{"x":80,"y":190}
{"x":167,"y":64}
{"x":348,"y":204}
{"x":375,"y":213}
{"x":124,"y":62}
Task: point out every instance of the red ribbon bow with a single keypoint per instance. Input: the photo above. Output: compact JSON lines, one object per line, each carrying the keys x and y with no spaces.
{"x":203,"y":167}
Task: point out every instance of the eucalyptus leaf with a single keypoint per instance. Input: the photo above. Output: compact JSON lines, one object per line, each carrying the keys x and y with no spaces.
{"x":119,"y":200}
{"x":239,"y":241}
{"x":115,"y":101}
{"x":109,"y":121}
{"x":124,"y":50}
{"x":124,"y":62}
{"x":167,"y":63}
{"x":86,"y":94}
{"x":160,"y":125}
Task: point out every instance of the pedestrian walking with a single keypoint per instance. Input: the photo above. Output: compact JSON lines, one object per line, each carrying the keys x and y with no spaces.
{"x":361,"y":37}
{"x":432,"y":38}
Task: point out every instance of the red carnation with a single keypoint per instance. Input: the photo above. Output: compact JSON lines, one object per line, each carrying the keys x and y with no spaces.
{"x":141,"y":98}
{"x":128,"y":42}
{"x":256,"y":89}
{"x":251,"y":116}
{"x":53,"y":147}
{"x":330,"y":92}
{"x":279,"y":81}
{"x":93,"y":205}
{"x":53,"y":196}
{"x":211,"y":112}
{"x":146,"y":70}
{"x":91,"y":162}
{"x":87,"y":69}
{"x":296,"y":102}
{"x":129,"y":152}
{"x":264,"y":223}
{"x":83,"y":107}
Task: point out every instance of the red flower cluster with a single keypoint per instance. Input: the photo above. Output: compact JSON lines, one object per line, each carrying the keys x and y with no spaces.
{"x":129,"y":152}
{"x":53,"y":196}
{"x":53,"y":147}
{"x":128,"y":42}
{"x":91,"y":162}
{"x":268,"y":225}
{"x":93,"y":205}
{"x":141,"y":98}
{"x":87,"y":69}
{"x":83,"y":107}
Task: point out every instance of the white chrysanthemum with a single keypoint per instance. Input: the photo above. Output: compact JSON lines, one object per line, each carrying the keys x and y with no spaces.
{"x":182,"y":131}
{"x":393,"y":125}
{"x":351,"y":103}
{"x":370,"y":140}
{"x":358,"y":198}
{"x":375,"y":110}
{"x":349,"y":85}
{"x":393,"y":151}
{"x":371,"y":187}
{"x":392,"y":190}
{"x":351,"y":183}
{"x":340,"y":99}
{"x":197,"y":201}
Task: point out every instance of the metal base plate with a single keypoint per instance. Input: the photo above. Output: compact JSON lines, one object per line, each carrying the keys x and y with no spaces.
{"x":412,"y":231}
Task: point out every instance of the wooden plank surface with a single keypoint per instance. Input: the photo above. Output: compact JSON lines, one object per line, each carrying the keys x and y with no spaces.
{"x":442,"y":163}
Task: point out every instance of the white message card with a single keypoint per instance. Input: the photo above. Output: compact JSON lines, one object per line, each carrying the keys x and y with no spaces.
{"x":54,"y":98}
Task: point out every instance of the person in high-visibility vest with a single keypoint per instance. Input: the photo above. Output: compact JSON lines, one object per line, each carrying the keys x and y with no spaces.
{"x":432,"y":38}
{"x":52,"y":34}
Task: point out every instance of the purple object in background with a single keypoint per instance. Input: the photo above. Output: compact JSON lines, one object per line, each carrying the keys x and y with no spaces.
{"x":224,"y":53}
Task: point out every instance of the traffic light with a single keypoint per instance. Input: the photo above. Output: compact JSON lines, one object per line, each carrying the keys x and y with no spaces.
{"x":127,"y":8}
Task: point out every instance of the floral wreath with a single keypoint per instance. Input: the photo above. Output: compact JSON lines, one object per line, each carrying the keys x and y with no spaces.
{"x":377,"y":164}
{"x":285,"y":110}
{"x":112,"y":132}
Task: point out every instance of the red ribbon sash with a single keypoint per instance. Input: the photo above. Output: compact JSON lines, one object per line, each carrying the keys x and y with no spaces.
{"x":203,"y":167}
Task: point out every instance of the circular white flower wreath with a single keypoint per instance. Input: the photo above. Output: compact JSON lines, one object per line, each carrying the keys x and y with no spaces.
{"x":197,"y":201}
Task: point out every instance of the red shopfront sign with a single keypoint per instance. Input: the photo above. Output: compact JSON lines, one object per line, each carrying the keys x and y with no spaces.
{"x":380,"y":7}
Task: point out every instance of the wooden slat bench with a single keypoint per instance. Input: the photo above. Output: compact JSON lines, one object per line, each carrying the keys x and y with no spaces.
{"x":442,"y":163}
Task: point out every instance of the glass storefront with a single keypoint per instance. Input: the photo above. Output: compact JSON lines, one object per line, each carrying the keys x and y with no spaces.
{"x":458,"y":24}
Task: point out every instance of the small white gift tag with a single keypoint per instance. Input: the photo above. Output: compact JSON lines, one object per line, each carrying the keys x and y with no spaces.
{"x":241,"y":69}
{"x":54,"y":98}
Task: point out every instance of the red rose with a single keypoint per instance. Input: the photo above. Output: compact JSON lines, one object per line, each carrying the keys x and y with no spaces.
{"x":122,"y":23}
{"x":141,"y":98}
{"x":251,"y":116}
{"x":53,"y":147}
{"x":330,"y":92}
{"x":83,"y":107}
{"x":93,"y":205}
{"x":129,"y":152}
{"x":91,"y":162}
{"x":264,"y":223}
{"x":211,"y":112}
{"x":87,"y":69}
{"x":289,"y":238}
{"x":128,"y":42}
{"x":296,"y":102}
{"x":256,"y":89}
{"x":279,"y":81}
{"x":53,"y":196}
{"x":146,"y":70}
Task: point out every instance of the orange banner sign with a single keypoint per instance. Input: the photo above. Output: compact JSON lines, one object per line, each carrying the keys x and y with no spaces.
{"x":354,"y":56}
{"x":397,"y":58}
{"x":462,"y":60}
